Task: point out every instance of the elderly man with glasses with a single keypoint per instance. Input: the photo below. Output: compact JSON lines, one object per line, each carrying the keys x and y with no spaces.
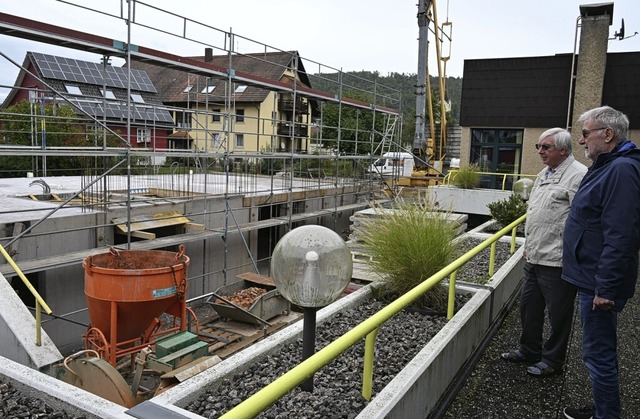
{"x":601,"y":244}
{"x":547,"y":210}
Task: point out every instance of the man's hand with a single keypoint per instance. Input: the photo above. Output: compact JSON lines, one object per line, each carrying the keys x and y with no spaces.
{"x":600,"y":303}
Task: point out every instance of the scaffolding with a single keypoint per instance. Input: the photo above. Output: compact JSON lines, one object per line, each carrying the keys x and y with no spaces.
{"x":308,"y":164}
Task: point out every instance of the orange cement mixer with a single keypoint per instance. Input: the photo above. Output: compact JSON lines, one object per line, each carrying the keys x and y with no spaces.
{"x":127,"y":291}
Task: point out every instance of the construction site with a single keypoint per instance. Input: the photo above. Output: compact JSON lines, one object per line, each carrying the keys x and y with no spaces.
{"x":152,"y":199}
{"x":188,"y":169}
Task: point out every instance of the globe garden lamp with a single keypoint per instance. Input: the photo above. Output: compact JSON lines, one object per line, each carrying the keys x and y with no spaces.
{"x":311,"y":266}
{"x":523,"y":188}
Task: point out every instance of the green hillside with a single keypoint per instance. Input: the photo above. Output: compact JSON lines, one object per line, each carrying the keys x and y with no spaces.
{"x":395,"y":90}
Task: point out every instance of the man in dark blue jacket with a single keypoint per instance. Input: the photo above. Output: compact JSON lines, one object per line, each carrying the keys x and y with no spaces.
{"x":600,"y":250}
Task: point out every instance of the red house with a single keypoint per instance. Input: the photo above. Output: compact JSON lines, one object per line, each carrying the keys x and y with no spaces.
{"x":98,"y":92}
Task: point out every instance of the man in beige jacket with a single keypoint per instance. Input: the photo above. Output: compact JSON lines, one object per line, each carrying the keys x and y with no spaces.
{"x":547,"y":212}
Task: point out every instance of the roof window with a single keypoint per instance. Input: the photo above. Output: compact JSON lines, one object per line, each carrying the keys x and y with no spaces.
{"x":73,"y":90}
{"x":137,"y":98}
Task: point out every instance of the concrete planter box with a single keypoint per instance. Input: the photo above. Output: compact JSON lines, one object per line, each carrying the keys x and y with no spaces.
{"x":414,"y":392}
{"x":467,"y":201}
{"x":506,"y":280}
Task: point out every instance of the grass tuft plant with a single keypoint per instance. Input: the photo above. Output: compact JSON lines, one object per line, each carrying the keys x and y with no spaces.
{"x":467,"y":177}
{"x":408,"y":244}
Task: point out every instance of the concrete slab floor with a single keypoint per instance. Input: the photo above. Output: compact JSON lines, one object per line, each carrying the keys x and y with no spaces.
{"x":499,"y":389}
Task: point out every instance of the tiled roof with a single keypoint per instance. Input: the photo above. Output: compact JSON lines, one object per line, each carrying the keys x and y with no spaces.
{"x":171,"y":83}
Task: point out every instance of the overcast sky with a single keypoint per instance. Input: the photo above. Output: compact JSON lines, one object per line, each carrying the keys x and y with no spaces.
{"x":372,"y":35}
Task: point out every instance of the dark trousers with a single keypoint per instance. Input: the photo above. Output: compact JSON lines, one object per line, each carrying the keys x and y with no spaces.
{"x":544,"y":287}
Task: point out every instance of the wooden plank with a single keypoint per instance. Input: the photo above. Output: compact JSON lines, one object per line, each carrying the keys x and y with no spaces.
{"x":146,"y":222}
{"x":256,"y":278}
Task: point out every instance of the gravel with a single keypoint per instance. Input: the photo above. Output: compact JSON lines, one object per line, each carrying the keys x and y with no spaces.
{"x":337,"y":386}
{"x":14,"y":404}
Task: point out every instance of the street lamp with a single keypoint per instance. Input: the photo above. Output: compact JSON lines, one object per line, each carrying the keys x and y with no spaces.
{"x":311,"y":267}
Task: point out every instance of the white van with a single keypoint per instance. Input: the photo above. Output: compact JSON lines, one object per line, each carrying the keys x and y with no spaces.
{"x":394,"y":164}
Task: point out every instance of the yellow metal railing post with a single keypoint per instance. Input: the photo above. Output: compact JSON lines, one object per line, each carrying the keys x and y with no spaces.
{"x":492,"y":258}
{"x":40,"y":303}
{"x":452,"y":295}
{"x":367,"y":374}
{"x":513,"y":239}
{"x":38,"y":324}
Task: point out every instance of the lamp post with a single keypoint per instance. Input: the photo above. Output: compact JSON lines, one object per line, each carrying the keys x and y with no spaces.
{"x":311,"y":267}
{"x":523,"y":188}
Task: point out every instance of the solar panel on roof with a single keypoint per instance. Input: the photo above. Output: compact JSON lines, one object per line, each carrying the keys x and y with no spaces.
{"x":119,"y":110}
{"x":69,"y":69}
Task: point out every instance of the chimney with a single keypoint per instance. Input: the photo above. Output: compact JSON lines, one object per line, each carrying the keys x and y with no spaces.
{"x":592,"y":60}
{"x":208,"y":55}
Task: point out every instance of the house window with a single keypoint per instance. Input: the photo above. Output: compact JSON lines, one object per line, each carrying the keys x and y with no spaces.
{"x":143,"y":135}
{"x":241,"y":88}
{"x":497,"y":151}
{"x":137,"y":98}
{"x":208,"y":89}
{"x":215,"y":139}
{"x":239,"y":115}
{"x":187,"y":89}
{"x":216,"y":115}
{"x":107,"y":94}
{"x":239,"y":140}
{"x":73,"y":90}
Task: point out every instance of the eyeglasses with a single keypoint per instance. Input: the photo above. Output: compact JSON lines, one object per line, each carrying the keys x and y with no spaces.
{"x":545,"y":147}
{"x":587,"y":132}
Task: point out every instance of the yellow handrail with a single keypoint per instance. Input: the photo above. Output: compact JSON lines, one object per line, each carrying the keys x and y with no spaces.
{"x":453,"y":172}
{"x":40,"y":303}
{"x":264,"y":398}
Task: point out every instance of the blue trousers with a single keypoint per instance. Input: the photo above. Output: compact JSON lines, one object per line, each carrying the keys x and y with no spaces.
{"x":599,"y":353}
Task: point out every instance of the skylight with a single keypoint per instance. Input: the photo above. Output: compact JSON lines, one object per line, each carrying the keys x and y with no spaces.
{"x":208,"y":89}
{"x":108,"y":94}
{"x":187,"y":89}
{"x":73,"y":90}
{"x":241,"y":88}
{"x":137,"y":98}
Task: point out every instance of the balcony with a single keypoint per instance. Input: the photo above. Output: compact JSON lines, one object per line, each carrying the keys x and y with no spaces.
{"x":286,"y":105}
{"x":290,"y":129}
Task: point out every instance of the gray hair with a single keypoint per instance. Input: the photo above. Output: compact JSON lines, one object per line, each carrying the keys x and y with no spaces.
{"x":606,"y":116}
{"x":561,"y":138}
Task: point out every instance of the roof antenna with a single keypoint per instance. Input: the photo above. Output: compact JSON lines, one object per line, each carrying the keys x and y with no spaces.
{"x":620,"y":34}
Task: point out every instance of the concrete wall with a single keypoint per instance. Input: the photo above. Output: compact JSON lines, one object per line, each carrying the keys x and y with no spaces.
{"x":18,"y":332}
{"x":466,"y":201}
{"x":215,"y":259}
{"x":592,"y":61}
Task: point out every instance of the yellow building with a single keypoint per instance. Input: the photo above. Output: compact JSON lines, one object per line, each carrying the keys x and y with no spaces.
{"x":222,"y":114}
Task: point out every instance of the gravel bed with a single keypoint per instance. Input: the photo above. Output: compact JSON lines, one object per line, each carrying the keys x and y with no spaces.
{"x":336,"y":387}
{"x":477,"y":269}
{"x":14,"y":404}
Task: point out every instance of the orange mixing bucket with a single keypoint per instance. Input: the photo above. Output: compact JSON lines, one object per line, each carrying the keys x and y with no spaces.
{"x":127,"y":291}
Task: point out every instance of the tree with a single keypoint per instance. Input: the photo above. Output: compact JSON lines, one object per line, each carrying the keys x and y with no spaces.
{"x":358,"y":133}
{"x":44,"y":125}
{"x":405,"y":87}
